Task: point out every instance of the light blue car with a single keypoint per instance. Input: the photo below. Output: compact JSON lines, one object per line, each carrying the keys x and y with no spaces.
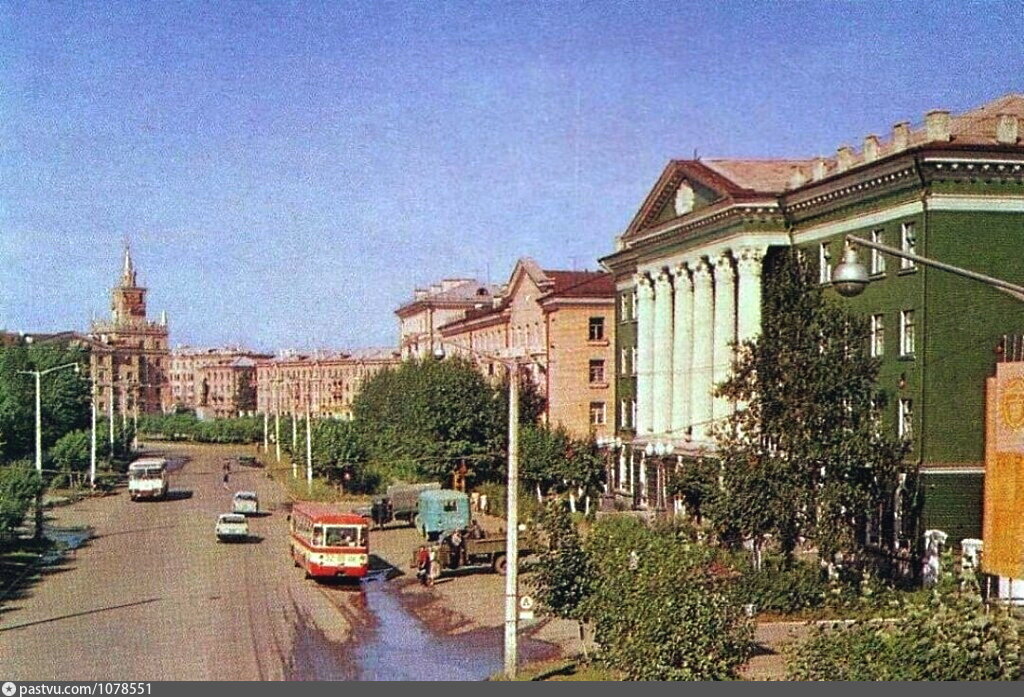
{"x":440,"y":511}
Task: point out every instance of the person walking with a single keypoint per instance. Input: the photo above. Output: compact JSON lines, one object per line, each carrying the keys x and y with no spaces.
{"x":422,"y":564}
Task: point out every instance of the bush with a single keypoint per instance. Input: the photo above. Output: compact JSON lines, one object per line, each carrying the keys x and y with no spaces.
{"x":185,"y":426}
{"x":951,"y":635}
{"x":785,"y":590}
{"x":659,"y":605}
{"x":19,"y":486}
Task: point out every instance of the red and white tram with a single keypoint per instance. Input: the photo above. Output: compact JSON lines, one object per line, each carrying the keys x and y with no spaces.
{"x":329,"y":543}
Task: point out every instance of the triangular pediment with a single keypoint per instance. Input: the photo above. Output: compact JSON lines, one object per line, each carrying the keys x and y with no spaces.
{"x":685,"y":186}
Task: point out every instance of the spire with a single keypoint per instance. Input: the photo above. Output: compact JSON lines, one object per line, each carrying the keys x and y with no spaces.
{"x":128,"y":272}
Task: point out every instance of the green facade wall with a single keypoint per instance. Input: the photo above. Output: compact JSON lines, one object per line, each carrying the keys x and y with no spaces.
{"x":952,"y":503}
{"x":966,"y":322}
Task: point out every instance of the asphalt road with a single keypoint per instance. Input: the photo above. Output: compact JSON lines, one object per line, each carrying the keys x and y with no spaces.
{"x":154,"y":596}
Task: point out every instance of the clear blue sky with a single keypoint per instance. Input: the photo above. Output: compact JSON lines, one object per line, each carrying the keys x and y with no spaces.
{"x":289,"y":171}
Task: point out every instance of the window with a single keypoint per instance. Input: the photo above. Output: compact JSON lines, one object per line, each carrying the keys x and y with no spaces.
{"x":877,"y":258}
{"x":824,"y":263}
{"x":906,"y":332}
{"x":877,"y":336}
{"x":624,"y":305}
{"x":623,"y":414}
{"x":596,"y":329}
{"x":624,"y":361}
{"x":632,"y":360}
{"x":596,"y":371}
{"x":597,"y":416}
{"x":632,"y":414}
{"x":636,"y":304}
{"x":908,"y":239}
{"x":906,"y":420}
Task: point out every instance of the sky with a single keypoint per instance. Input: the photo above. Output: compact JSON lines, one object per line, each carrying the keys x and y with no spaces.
{"x":288,"y":172}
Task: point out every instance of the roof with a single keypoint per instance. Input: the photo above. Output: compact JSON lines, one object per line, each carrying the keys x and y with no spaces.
{"x":329,"y":355}
{"x":465,"y":292}
{"x":764,"y":176}
{"x":442,"y":495}
{"x":735,"y":180}
{"x":582,"y":284}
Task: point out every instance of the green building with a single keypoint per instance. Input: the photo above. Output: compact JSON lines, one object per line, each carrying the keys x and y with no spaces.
{"x":688,"y":274}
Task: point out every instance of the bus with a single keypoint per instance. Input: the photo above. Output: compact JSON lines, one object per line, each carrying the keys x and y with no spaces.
{"x":328,"y":543}
{"x":147,"y":478}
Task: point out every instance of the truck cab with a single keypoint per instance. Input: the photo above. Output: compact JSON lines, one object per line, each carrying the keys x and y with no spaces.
{"x":440,"y":511}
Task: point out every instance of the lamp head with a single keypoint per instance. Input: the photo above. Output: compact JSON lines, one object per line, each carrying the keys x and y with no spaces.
{"x":850,"y":278}
{"x":439,"y":352}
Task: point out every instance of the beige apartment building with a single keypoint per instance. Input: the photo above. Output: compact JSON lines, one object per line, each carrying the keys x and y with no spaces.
{"x":197,"y":384}
{"x":322,"y":383}
{"x":559,"y":325}
{"x":228,"y":390}
{"x":430,"y":308}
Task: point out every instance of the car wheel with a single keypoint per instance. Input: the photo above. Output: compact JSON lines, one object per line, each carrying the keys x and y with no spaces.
{"x":500,"y":564}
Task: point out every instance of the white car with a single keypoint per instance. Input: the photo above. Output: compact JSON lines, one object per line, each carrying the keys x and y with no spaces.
{"x":232,"y":527}
{"x":245,"y":502}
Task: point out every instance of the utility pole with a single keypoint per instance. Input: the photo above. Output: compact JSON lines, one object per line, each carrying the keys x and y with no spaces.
{"x":277,"y":419}
{"x":266,"y":431}
{"x":512,"y":521}
{"x":110,"y":410}
{"x":92,"y":435}
{"x":309,"y":449}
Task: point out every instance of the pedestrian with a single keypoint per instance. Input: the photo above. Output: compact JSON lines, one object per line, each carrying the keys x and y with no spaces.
{"x":422,"y":564}
{"x":226,"y":480}
{"x":433,"y":566}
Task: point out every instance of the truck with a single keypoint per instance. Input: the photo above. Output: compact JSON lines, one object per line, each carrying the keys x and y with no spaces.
{"x":400,"y":502}
{"x":455,"y":552}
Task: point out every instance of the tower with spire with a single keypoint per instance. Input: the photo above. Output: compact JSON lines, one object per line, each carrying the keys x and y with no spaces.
{"x":128,"y":299}
{"x":131,"y":367}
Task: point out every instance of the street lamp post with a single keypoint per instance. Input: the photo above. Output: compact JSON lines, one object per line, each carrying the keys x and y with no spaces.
{"x":38,"y":375}
{"x":92,"y":434}
{"x":512,"y":510}
{"x":850,"y":277}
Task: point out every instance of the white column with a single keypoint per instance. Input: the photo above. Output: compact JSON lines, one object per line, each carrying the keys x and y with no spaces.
{"x":703,"y":350}
{"x":748,"y":300}
{"x":644,"y":355}
{"x":725,"y":329}
{"x":662,"y":420}
{"x":682,"y":351}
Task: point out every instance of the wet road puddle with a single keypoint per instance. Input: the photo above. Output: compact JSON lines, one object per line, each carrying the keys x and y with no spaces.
{"x":393,"y":643}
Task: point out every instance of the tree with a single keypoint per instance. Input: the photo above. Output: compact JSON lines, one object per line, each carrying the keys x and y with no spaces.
{"x":72,"y":453}
{"x":564,"y":575}
{"x":338,"y":454}
{"x":433,"y":414}
{"x":553,"y":461}
{"x":804,"y":453}
{"x":64,"y":396}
